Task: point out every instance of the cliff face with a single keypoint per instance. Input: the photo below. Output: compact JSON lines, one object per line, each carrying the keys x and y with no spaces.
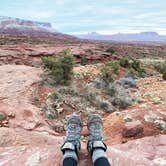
{"x":8,"y":22}
{"x":15,"y":26}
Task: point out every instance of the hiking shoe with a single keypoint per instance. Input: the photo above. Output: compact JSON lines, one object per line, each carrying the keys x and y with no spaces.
{"x":95,"y":127}
{"x":96,"y":134}
{"x":73,"y":134}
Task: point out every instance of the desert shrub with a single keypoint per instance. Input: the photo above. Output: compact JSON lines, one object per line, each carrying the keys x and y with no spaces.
{"x":106,"y":106}
{"x":60,"y":68}
{"x":119,"y":96}
{"x":114,"y":65}
{"x":109,"y":71}
{"x":53,"y":95}
{"x":83,"y":61}
{"x":96,"y":61}
{"x":111,"y":90}
{"x":2,"y":116}
{"x":111,"y":50}
{"x":133,"y":64}
{"x":125,"y":62}
{"x":164,"y":75}
{"x":136,"y":66}
{"x":161,"y":68}
{"x":89,"y":51}
{"x":106,"y":74}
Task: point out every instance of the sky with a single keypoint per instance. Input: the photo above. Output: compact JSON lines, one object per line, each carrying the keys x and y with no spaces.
{"x":84,"y":16}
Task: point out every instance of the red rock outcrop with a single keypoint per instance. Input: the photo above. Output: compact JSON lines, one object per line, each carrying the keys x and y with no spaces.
{"x":31,"y":55}
{"x":132,"y":129}
{"x":148,"y":151}
{"x":28,"y":140}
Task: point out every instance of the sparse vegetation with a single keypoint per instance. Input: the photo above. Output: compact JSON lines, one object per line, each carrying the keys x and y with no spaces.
{"x":107,"y":75}
{"x":2,"y":116}
{"x":164,"y":75}
{"x":109,"y":71}
{"x":114,"y":65}
{"x":89,"y":51}
{"x":60,"y":68}
{"x":83,"y":61}
{"x":111,"y":50}
{"x":136,"y":65}
{"x":132,"y":64}
{"x":53,"y":95}
{"x":125,"y":62}
{"x":161,"y":68}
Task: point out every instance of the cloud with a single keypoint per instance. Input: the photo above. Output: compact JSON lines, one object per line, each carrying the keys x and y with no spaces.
{"x":150,"y":15}
{"x":92,"y":15}
{"x":41,"y":14}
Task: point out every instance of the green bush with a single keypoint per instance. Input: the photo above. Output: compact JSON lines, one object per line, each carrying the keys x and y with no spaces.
{"x":106,"y":74}
{"x":83,"y":61}
{"x":111,"y":90}
{"x":111,"y":50}
{"x":164,"y":75}
{"x":53,"y":95}
{"x":2,"y":116}
{"x":136,"y":65}
{"x":161,"y":68}
{"x":60,"y":68}
{"x":114,"y":65}
{"x":89,"y":51}
{"x":125,"y":62}
{"x":109,"y":71}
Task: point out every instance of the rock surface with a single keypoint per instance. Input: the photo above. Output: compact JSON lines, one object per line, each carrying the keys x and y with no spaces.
{"x":39,"y":149}
{"x":20,"y":147}
{"x":16,"y":96}
{"x":28,"y":140}
{"x":149,"y":151}
{"x":132,"y":129}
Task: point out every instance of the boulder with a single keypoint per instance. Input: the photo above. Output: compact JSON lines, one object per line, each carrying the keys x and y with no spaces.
{"x":132,"y":129}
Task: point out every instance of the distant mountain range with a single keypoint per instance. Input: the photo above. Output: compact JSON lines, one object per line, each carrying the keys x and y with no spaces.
{"x":16,"y":26}
{"x":142,"y":37}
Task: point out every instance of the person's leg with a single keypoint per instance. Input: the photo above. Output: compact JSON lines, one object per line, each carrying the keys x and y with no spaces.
{"x":96,"y":146}
{"x":70,"y":158}
{"x":71,"y":146}
{"x":69,"y":162}
{"x":102,"y":162}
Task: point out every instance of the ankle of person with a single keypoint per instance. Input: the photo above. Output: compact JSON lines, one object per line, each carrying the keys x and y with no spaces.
{"x":70,"y":154}
{"x":98,"y":153}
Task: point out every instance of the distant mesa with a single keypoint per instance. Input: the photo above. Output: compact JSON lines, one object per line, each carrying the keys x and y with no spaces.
{"x":16,"y":26}
{"x":149,"y":33}
{"x":5,"y":22}
{"x":143,"y":36}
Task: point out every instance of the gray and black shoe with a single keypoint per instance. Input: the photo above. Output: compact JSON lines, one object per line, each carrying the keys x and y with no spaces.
{"x":73,"y":134}
{"x":95,"y":126}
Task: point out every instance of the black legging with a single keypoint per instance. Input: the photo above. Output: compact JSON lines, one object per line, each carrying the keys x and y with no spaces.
{"x":99,"y":162}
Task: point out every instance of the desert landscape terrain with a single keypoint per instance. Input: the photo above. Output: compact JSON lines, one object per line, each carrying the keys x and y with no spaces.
{"x":34,"y":111}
